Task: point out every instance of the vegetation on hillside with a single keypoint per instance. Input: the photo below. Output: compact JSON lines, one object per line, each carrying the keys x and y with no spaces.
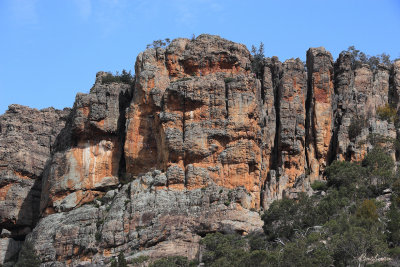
{"x":346,"y":226}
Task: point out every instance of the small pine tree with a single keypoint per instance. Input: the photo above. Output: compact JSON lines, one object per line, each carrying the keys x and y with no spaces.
{"x":121,"y":260}
{"x":27,"y":256}
{"x":257,"y":63}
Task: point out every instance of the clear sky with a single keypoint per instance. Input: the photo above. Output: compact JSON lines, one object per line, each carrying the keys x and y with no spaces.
{"x":50,"y":50}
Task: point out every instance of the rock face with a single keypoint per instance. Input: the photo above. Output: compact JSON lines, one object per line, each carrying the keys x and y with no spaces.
{"x":194,"y":116}
{"x":87,"y":154}
{"x":26,"y":138}
{"x":197,"y":144}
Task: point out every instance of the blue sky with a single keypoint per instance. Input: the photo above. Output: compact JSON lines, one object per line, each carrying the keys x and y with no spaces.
{"x":50,"y":50}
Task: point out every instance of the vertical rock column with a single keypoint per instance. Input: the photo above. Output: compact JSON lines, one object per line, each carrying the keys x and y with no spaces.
{"x":320,"y":88}
{"x":292,"y":94}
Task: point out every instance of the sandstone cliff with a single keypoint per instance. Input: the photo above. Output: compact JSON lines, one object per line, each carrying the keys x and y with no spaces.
{"x":197,"y":144}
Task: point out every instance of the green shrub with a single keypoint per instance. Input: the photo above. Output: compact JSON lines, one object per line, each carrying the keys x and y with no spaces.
{"x":229,"y":79}
{"x":97,"y":236}
{"x":27,"y":256}
{"x":387,"y":113}
{"x":379,"y":165}
{"x":125,"y":77}
{"x":368,"y":210}
{"x":344,"y":173}
{"x":121,"y":260}
{"x":357,"y":123}
{"x":319,"y":185}
{"x":175,"y":261}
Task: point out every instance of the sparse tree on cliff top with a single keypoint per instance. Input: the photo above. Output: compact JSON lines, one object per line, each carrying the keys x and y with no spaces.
{"x":257,"y":63}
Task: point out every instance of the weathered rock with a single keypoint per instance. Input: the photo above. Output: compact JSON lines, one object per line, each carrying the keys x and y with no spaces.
{"x":320,"y":121}
{"x":195,"y":116}
{"x":165,"y":222}
{"x":360,"y":92}
{"x":88,"y":152}
{"x":26,"y":137}
{"x":197,"y":144}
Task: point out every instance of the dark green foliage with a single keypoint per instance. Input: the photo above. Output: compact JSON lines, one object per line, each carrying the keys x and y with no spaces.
{"x":367,"y":210}
{"x":27,"y":257}
{"x":357,"y":123}
{"x":229,"y":79}
{"x":359,"y":58}
{"x":319,"y":185}
{"x":125,"y":77}
{"x":121,"y":260}
{"x":343,"y":173}
{"x":139,"y":260}
{"x":159,"y":43}
{"x":184,"y":79}
{"x":176,"y":261}
{"x":286,"y":217}
{"x":379,"y":166}
{"x":257,"y":62}
{"x":114,"y":262}
{"x":97,"y":236}
{"x":221,"y":249}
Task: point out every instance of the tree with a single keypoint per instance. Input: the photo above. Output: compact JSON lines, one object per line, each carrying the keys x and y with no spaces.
{"x":159,"y":43}
{"x":121,"y":260}
{"x":27,"y":256}
{"x":257,"y":63}
{"x":359,"y":58}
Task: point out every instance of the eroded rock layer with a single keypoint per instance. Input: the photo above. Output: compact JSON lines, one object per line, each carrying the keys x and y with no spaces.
{"x":197,"y":144}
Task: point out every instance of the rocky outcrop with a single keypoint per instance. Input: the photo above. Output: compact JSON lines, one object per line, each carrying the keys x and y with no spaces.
{"x":139,"y":218}
{"x":197,"y":144}
{"x":87,"y":155}
{"x":26,"y":138}
{"x":360,"y":92}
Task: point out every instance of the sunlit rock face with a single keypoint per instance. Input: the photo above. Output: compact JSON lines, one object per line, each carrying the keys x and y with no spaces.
{"x":26,"y":138}
{"x":196,"y":144}
{"x":195,"y":115}
{"x":87,"y":154}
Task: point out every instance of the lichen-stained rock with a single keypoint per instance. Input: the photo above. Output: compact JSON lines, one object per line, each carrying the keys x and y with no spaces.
{"x":321,"y":90}
{"x":141,"y":218}
{"x":196,"y":108}
{"x":26,"y":137}
{"x":87,"y":155}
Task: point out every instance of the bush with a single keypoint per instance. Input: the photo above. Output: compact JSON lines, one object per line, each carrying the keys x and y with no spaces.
{"x":368,"y":210}
{"x":175,"y":261}
{"x":319,"y":185}
{"x":228,"y":80}
{"x":287,"y":216}
{"x":343,"y":173}
{"x":387,"y":113}
{"x":125,"y":77}
{"x":27,"y":256}
{"x":379,"y":166}
{"x":121,"y":260}
{"x":356,"y":125}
